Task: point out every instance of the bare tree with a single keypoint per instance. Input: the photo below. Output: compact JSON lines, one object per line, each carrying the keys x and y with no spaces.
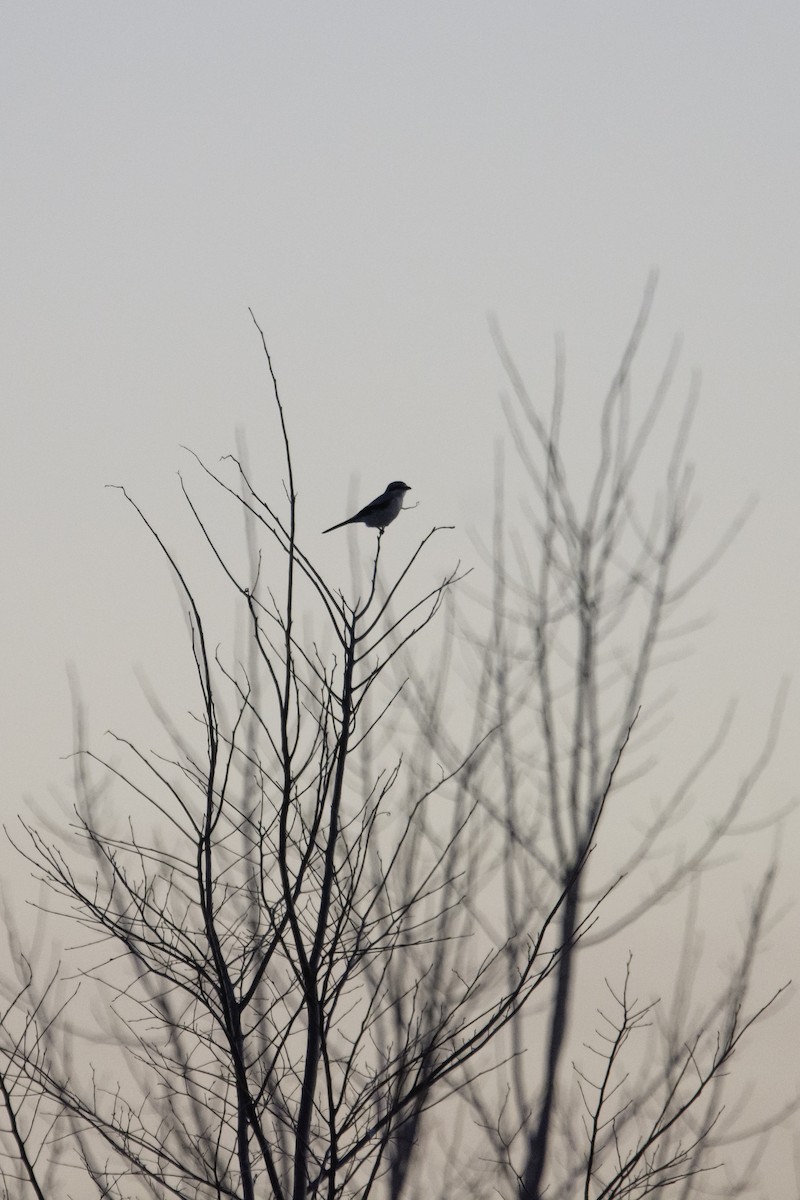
{"x":297,"y":970}
{"x":275,"y":1012}
{"x":585,"y":595}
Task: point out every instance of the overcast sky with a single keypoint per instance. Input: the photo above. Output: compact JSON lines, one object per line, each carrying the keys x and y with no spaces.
{"x":375,"y":180}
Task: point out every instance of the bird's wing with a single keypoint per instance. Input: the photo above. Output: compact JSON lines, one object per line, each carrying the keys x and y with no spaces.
{"x":370,"y":509}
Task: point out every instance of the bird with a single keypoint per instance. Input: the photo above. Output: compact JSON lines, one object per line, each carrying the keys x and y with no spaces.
{"x":381,"y":512}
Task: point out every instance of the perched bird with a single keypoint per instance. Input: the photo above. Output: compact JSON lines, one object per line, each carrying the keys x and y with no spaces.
{"x":380,"y":512}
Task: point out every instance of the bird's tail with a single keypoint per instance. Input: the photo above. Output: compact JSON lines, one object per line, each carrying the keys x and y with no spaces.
{"x":331,"y":528}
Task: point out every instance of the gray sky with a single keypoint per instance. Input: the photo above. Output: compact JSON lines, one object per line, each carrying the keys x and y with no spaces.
{"x":374,"y":179}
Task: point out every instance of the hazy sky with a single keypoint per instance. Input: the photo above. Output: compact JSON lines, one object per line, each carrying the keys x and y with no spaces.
{"x":375,"y":179}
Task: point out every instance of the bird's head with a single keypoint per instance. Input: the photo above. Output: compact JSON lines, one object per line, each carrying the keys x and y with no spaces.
{"x":398,"y":486}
